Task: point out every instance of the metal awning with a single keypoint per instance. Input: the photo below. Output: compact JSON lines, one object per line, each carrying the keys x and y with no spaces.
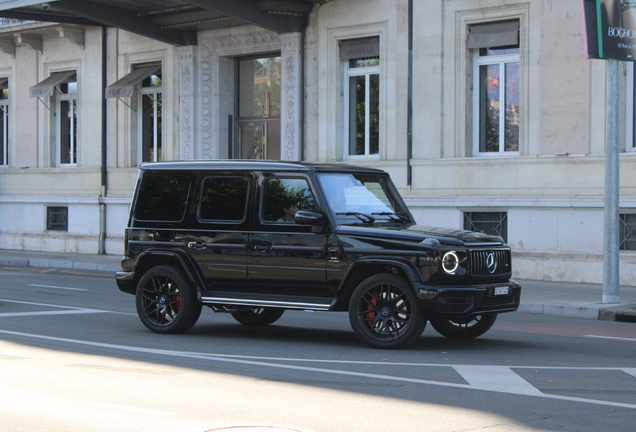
{"x":124,"y":87}
{"x":176,"y":22}
{"x":45,"y":88}
{"x":494,"y":34}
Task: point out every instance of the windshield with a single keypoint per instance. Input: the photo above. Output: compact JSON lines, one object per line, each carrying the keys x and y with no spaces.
{"x":363,"y":197}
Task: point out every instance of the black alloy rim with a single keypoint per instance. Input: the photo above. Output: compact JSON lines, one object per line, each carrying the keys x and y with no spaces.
{"x":384,"y":312}
{"x":161,"y":300}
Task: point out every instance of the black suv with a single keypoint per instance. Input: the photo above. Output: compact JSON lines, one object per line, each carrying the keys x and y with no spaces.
{"x":254,"y":238}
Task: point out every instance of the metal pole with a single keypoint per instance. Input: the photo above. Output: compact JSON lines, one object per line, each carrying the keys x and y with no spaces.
{"x":611,"y":257}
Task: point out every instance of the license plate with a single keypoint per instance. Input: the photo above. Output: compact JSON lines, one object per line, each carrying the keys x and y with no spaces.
{"x":502,"y":291}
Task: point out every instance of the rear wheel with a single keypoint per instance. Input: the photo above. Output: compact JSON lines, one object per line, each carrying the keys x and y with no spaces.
{"x":467,"y":328}
{"x":384,"y":312}
{"x":257,"y":316}
{"x":166,"y":300}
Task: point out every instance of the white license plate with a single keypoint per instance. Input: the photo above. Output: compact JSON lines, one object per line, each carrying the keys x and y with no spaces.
{"x":502,"y":291}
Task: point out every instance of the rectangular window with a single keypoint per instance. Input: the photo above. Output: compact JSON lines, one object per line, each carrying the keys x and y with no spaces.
{"x":496,"y":88}
{"x":162,"y":197}
{"x":150,"y":118}
{"x":224,"y":199}
{"x":627,"y":232}
{"x":493,"y":223}
{"x":283,"y":197}
{"x":4,"y":124}
{"x":57,"y":218}
{"x":362,"y":101}
{"x":66,"y":122}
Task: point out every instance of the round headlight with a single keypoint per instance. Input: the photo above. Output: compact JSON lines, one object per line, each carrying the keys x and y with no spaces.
{"x":450,"y":262}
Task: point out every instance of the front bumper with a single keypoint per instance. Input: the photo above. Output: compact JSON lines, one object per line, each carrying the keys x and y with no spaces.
{"x":449,"y":302}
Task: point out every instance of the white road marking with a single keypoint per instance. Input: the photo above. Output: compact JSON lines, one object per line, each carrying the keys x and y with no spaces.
{"x":43,"y":313}
{"x":631,"y":371}
{"x":243,"y":360}
{"x":496,"y":378}
{"x":129,"y":409}
{"x":69,"y":310}
{"x":611,"y":337}
{"x":57,"y":287}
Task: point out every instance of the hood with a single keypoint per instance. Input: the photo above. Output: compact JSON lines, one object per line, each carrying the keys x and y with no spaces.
{"x":419,"y":233}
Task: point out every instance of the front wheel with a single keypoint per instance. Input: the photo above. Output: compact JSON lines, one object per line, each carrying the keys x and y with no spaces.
{"x":166,"y":300}
{"x":384,"y":312}
{"x":257,"y":316}
{"x":467,"y":328}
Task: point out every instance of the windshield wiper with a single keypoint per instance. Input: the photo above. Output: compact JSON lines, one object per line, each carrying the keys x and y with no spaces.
{"x":363,"y":217}
{"x":393,"y":216}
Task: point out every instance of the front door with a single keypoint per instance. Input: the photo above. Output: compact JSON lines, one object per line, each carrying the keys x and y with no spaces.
{"x":258,"y":120}
{"x":286,"y":258}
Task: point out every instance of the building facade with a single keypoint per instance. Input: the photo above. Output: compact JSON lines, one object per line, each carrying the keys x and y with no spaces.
{"x":486,"y":113}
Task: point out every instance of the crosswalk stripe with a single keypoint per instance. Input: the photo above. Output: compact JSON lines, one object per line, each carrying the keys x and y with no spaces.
{"x":496,"y":378}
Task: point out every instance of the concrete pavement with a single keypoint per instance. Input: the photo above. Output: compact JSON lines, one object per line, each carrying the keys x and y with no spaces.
{"x":566,"y":299}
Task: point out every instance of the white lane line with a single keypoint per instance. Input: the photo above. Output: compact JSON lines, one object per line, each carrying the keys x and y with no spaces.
{"x":611,"y":337}
{"x":496,"y":378}
{"x":37,"y":304}
{"x":57,"y":287}
{"x":129,"y":409}
{"x":212,"y":357}
{"x":43,"y":313}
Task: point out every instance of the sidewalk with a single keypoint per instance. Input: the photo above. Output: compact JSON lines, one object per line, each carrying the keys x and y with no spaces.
{"x":550,"y":298}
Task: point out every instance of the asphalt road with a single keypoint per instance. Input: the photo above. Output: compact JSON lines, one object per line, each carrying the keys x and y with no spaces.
{"x":75,"y":357}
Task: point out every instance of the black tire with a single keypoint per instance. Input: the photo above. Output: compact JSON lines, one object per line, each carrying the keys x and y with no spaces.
{"x":166,"y":300}
{"x":468,"y":328}
{"x":257,"y":316}
{"x":384,"y":312}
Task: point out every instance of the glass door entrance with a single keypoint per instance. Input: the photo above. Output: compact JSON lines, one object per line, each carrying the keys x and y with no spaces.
{"x":258,"y":120}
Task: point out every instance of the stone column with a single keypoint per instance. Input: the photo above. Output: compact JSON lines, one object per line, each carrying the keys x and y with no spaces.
{"x":187,"y":100}
{"x":291,"y":97}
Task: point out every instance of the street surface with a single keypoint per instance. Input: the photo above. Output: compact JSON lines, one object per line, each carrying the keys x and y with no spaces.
{"x":75,"y":357}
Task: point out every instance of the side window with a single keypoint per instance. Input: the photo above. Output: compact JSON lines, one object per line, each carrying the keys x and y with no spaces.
{"x":224,"y":199}
{"x":496,"y":108}
{"x":283,"y":197}
{"x":162,"y":197}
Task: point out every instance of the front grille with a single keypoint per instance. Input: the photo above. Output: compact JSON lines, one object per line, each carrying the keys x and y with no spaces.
{"x":483,"y":264}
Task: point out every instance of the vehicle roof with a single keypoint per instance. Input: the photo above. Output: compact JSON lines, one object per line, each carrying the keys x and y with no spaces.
{"x":256,"y":165}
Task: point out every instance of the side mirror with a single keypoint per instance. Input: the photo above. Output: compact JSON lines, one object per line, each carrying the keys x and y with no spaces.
{"x":307,"y":217}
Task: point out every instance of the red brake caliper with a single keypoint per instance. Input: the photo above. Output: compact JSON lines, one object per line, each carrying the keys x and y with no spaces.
{"x":374,"y":302}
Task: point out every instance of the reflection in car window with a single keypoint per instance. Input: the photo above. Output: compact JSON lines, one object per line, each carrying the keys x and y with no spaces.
{"x":351,"y":193}
{"x":162,"y":197}
{"x":283,"y":197}
{"x":224,"y":199}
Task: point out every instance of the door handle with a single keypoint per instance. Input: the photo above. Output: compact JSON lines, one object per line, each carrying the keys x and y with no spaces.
{"x":198,"y":245}
{"x":261,"y":247}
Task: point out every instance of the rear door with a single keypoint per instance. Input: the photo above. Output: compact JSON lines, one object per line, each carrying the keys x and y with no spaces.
{"x":218,"y":235}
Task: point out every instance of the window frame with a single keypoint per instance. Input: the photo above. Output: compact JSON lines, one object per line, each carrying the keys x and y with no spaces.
{"x":158,"y":140}
{"x":502,"y":60}
{"x":350,"y":72}
{"x":5,"y":106}
{"x":73,"y":144}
